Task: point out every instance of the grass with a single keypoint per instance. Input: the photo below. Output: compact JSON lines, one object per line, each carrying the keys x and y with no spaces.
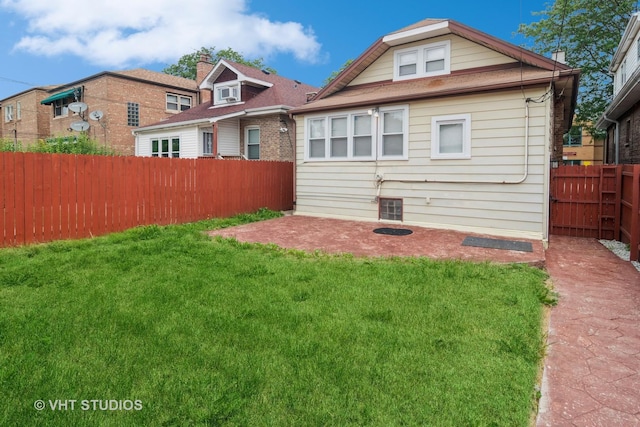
{"x":214,"y":332}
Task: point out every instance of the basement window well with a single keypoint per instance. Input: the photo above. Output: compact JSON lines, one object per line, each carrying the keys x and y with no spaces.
{"x":390,"y":209}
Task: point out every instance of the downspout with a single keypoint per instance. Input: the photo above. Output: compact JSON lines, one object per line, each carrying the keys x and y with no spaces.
{"x":380,"y":178}
{"x":295,"y":160}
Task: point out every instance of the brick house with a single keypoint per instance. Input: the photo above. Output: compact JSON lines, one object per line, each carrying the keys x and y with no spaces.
{"x":127,"y":99}
{"x":244,"y":114}
{"x":24,"y":119}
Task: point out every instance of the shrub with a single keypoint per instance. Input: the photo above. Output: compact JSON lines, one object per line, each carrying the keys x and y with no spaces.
{"x":7,"y":144}
{"x":80,"y":144}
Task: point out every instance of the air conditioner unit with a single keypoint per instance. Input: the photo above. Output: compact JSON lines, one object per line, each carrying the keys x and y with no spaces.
{"x":230,"y":98}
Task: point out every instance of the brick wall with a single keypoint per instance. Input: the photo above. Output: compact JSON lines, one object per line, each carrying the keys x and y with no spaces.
{"x":111,"y":95}
{"x":557,"y":129}
{"x":629,"y":137}
{"x":274,"y":144}
{"x":108,"y":93}
{"x":33,"y":123}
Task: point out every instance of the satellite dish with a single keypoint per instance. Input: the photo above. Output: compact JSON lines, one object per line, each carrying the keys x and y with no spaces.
{"x":96,"y":115}
{"x":79,"y":126}
{"x":78,"y":107}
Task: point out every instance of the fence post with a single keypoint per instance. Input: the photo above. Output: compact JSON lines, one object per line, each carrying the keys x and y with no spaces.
{"x":635,"y":213}
{"x":618,"y":203}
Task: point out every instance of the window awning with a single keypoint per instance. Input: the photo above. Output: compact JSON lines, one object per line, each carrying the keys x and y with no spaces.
{"x":57,"y":96}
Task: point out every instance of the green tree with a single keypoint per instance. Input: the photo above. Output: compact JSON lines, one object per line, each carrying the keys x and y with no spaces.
{"x":588,"y":31}
{"x":335,"y":73}
{"x":187,"y":64}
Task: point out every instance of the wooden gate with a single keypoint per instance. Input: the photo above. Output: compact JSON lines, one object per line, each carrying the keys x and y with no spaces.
{"x":585,"y":201}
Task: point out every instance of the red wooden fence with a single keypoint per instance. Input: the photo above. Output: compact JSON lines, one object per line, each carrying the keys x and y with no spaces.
{"x":45,"y":197}
{"x":599,"y":201}
{"x":630,"y":209}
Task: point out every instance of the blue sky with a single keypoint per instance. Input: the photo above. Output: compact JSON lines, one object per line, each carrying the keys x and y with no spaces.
{"x":60,"y":41}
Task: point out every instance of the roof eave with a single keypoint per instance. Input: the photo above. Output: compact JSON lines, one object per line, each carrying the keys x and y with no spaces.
{"x":441,"y":28}
{"x":422,"y":96}
{"x":170,"y":125}
{"x":624,"y":100}
{"x":632,"y":28}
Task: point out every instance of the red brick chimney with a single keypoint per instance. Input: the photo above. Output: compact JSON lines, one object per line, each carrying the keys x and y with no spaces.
{"x":203,"y":68}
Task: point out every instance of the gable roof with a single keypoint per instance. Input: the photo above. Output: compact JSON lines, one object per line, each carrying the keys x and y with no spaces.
{"x":530,"y":69}
{"x":280,"y":95}
{"x":244,"y":73}
{"x":431,"y":28}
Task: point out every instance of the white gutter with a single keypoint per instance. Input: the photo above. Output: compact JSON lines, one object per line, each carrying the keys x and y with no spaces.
{"x":169,"y":126}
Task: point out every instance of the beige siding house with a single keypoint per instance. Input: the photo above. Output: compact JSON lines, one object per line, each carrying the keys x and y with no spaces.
{"x":437,"y":125}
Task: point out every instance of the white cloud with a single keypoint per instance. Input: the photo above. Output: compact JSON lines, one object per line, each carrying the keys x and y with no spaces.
{"x":118,"y":33}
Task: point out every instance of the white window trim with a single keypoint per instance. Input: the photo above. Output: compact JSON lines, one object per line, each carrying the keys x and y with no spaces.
{"x":8,"y":113}
{"x":178,"y":102}
{"x":465,"y":120}
{"x":234,"y":85}
{"x":376,"y":135}
{"x":203,"y":132}
{"x":420,"y":66}
{"x":246,"y":141}
{"x":405,"y":132}
{"x":170,"y":147}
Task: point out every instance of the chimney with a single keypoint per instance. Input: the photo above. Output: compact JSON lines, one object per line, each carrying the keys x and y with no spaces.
{"x":204,"y":67}
{"x":559,"y":56}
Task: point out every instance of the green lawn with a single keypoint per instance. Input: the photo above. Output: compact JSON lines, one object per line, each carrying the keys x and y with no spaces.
{"x":215,"y":332}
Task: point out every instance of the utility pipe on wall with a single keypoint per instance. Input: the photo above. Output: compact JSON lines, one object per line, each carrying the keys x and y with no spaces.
{"x":380,"y":178}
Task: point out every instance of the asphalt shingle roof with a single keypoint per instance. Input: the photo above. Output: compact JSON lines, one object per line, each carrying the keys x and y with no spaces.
{"x":284,"y":92}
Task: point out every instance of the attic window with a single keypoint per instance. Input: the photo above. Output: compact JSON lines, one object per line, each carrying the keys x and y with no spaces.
{"x":227,"y":93}
{"x":422,"y":61}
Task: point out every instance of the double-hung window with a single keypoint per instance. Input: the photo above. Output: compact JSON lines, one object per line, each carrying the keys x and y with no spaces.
{"x":451,"y":137}
{"x":165,"y":147}
{"x":393,"y":139}
{"x":252,"y":137}
{"x":362,"y":137}
{"x":423,"y":61}
{"x":434,"y":59}
{"x":316,"y":144}
{"x":8,"y":113}
{"x":359,"y":135}
{"x":407,"y":63}
{"x":339,"y":137}
{"x":178,"y":102}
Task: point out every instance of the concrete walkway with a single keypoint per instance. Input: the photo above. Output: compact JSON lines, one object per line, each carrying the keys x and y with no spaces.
{"x":592,"y":371}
